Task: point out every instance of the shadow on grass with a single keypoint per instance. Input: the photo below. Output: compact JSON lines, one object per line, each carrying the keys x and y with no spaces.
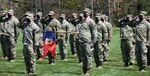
{"x":69,"y":73}
{"x":12,"y":72}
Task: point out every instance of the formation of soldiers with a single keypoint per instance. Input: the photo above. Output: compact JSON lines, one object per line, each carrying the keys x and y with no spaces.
{"x":87,"y":37}
{"x":135,"y":40}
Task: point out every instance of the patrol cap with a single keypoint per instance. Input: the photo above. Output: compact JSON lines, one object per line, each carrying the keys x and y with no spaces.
{"x":143,"y":12}
{"x":87,"y":10}
{"x":74,"y":14}
{"x":97,"y":15}
{"x":63,"y":16}
{"x":11,"y":11}
{"x":148,"y":17}
{"x":30,"y":16}
{"x":81,"y":14}
{"x":39,"y":13}
{"x":51,"y":13}
{"x":129,"y":15}
{"x":27,"y":13}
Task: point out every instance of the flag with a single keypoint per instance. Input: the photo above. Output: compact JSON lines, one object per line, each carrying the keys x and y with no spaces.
{"x":49,"y":43}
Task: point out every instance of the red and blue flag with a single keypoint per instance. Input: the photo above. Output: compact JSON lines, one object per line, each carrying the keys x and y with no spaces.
{"x":49,"y":43}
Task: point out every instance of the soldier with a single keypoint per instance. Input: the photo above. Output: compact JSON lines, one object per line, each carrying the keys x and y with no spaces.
{"x":71,"y":36}
{"x":127,"y":41}
{"x":87,"y":35}
{"x":148,"y":53}
{"x":37,"y":21}
{"x":101,"y":36}
{"x":105,"y":45}
{"x":64,"y":37}
{"x":52,"y":24}
{"x":142,"y":39}
{"x":110,"y":31}
{"x":30,"y":36}
{"x":2,"y":33}
{"x":79,"y":54}
{"x":10,"y":27}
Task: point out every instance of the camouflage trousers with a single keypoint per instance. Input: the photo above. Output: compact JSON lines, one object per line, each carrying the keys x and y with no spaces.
{"x":148,"y":56}
{"x":98,"y":53}
{"x":106,"y":51}
{"x":2,"y":40}
{"x":39,"y":52}
{"x":79,"y":54}
{"x":10,"y":47}
{"x":86,"y":55}
{"x":62,"y":48}
{"x":141,"y":55}
{"x":72,"y":44}
{"x":128,"y":51}
{"x":29,"y":58}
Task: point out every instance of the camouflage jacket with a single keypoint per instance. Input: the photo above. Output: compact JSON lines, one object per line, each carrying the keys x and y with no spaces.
{"x":109,"y":30}
{"x":31,"y":30}
{"x":87,"y":31}
{"x":10,"y":26}
{"x":102,"y":32}
{"x":143,"y":31}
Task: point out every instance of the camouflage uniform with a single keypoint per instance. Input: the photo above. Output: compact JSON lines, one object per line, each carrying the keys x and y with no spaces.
{"x":127,"y":43}
{"x":39,"y":24}
{"x":105,"y":44}
{"x":109,"y":36}
{"x":98,"y":48}
{"x":10,"y":28}
{"x":79,"y":54}
{"x":148,"y":53}
{"x":87,"y":35}
{"x":2,"y":35}
{"x":72,"y":39}
{"x":142,"y":39}
{"x":63,"y":38}
{"x":52,"y":25}
{"x":30,"y":31}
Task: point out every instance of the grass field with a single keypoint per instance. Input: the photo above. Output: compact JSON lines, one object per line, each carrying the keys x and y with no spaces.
{"x":114,"y":67}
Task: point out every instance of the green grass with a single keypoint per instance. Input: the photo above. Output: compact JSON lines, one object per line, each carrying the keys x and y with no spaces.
{"x":114,"y":67}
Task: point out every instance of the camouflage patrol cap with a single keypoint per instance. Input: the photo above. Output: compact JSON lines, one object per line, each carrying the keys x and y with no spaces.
{"x":51,"y":13}
{"x":39,"y":13}
{"x":74,"y":14}
{"x":63,"y":16}
{"x":11,"y":11}
{"x":81,"y":15}
{"x":87,"y":10}
{"x":31,"y":16}
{"x":27,"y":13}
{"x":97,"y":15}
{"x":129,"y":15}
{"x":143,"y":12}
{"x":148,"y":17}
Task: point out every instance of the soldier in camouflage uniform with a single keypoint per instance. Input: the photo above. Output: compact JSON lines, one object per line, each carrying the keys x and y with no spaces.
{"x":37,"y":21}
{"x":30,"y":36}
{"x":142,"y":41}
{"x":79,"y":54}
{"x":109,"y":36}
{"x":105,"y":44}
{"x":127,"y":41}
{"x":72,"y":38}
{"x":52,"y":24}
{"x":2,"y":33}
{"x":10,"y":28}
{"x":64,"y":37}
{"x":148,"y":53}
{"x":101,"y":36}
{"x":87,"y":35}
